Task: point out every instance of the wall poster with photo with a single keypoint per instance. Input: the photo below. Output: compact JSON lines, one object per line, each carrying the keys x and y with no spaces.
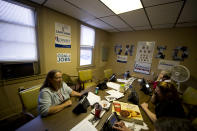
{"x":144,"y":56}
{"x":62,"y":35}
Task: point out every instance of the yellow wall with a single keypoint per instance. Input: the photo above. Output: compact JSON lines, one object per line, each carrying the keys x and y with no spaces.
{"x":48,"y":52}
{"x":9,"y":100}
{"x":169,"y":37}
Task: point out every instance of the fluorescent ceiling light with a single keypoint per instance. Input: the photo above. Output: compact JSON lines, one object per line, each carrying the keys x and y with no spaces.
{"x":121,"y":6}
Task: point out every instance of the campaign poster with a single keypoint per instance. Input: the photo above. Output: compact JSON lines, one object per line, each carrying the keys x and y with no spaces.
{"x":62,"y":35}
{"x":63,"y":57}
{"x":143,"y":68}
{"x":121,"y":59}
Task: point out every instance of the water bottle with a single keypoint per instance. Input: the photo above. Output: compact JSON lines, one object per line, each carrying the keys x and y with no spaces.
{"x":96,"y":90}
{"x":125,"y":75}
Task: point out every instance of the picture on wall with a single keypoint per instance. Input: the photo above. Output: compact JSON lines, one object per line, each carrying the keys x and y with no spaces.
{"x":180,"y":53}
{"x":127,"y":50}
{"x":118,"y":49}
{"x":143,"y":68}
{"x":160,"y":52}
{"x":63,"y":57}
{"x":122,"y":59}
{"x":131,"y":49}
{"x":145,"y":52}
{"x":167,"y":64}
{"x":62,"y":35}
{"x":143,"y":58}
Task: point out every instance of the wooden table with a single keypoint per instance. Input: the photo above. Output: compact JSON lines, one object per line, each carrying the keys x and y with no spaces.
{"x":66,"y":119}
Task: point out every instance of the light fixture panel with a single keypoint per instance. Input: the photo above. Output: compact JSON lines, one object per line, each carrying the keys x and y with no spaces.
{"x":122,"y":6}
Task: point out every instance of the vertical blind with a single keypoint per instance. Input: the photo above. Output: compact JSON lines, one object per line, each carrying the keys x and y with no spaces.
{"x":18,"y":33}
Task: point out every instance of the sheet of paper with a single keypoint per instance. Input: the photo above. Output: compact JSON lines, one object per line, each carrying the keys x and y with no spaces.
{"x":115,"y":94}
{"x":110,"y":98}
{"x":92,"y":98}
{"x":122,"y":80}
{"x":84,"y":125}
{"x":136,"y":127}
{"x":113,"y":85}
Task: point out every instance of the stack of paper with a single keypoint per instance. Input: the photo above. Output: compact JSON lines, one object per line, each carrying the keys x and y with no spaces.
{"x":113,"y":85}
{"x":92,"y":98}
{"x":113,"y":95}
{"x":84,"y":125}
{"x":122,"y":80}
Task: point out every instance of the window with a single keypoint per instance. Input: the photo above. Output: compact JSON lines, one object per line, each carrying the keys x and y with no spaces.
{"x":18,"y":42}
{"x":18,"y":33}
{"x":86,"y":45}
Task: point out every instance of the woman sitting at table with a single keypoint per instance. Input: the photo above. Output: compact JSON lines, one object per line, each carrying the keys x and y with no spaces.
{"x":54,"y":94}
{"x":166,"y":100}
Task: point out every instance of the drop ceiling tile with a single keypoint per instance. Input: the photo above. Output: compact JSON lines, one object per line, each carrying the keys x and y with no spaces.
{"x":162,"y":26}
{"x":112,"y":30}
{"x":38,"y":1}
{"x":142,"y":28}
{"x":125,"y":29}
{"x":94,"y":7}
{"x":68,"y":9}
{"x":135,"y":18}
{"x":164,"y":14}
{"x":115,"y":21}
{"x":189,"y":12}
{"x":190,"y":24}
{"x":156,"y":2}
{"x":99,"y":24}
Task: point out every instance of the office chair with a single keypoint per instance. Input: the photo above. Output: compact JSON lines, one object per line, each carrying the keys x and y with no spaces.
{"x":108,"y":73}
{"x":189,"y":100}
{"x":72,"y":81}
{"x":29,"y":100}
{"x":85,"y":77}
{"x":190,"y":96}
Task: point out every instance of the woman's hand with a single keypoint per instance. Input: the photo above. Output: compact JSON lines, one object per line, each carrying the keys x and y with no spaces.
{"x":67,"y":103}
{"x":57,"y":108}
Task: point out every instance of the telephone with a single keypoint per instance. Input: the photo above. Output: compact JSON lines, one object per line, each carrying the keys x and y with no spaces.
{"x":145,"y":87}
{"x":102,"y":85}
{"x":112,"y":78}
{"x":133,"y":97}
{"x":111,"y":120}
{"x":81,"y":106}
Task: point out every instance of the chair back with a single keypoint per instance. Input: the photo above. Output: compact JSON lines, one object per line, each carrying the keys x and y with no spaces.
{"x":67,"y":79}
{"x":190,"y":96}
{"x":29,"y":97}
{"x":108,"y":73}
{"x":85,"y":75}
